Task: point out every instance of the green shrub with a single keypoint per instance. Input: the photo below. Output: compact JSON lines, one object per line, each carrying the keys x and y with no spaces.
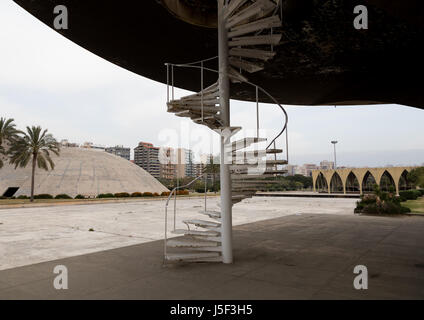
{"x":147,"y":194}
{"x":421,"y":191}
{"x":43,"y":196}
{"x":122,"y":195}
{"x":23,"y":197}
{"x":62,"y":196}
{"x":136,"y":194}
{"x":368,"y":199}
{"x":3,"y":198}
{"x":380,"y":203}
{"x":409,"y":194}
{"x":79,"y":196}
{"x":105,"y":195}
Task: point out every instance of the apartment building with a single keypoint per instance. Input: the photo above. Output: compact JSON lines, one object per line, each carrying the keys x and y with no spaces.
{"x":147,"y":157}
{"x":167,"y":163}
{"x":119,"y":151}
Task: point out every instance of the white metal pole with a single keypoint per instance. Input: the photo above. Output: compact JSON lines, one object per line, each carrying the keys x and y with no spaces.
{"x":257,"y":112}
{"x":224,"y":90}
{"x":335,"y":157}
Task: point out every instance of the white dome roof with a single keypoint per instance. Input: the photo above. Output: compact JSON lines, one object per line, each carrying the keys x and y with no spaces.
{"x":81,"y":171}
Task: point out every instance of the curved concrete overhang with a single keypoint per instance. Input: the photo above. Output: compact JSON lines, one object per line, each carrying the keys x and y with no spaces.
{"x":322,"y":59}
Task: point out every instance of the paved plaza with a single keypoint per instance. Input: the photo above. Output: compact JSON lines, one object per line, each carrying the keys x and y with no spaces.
{"x":285,"y":248}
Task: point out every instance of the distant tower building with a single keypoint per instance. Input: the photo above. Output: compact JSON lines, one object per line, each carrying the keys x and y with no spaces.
{"x":167,"y":161}
{"x":198,"y":169}
{"x":184,"y":166}
{"x":291,"y":169}
{"x":308,"y":169}
{"x":326,"y":165}
{"x":119,"y":151}
{"x":91,"y":145}
{"x":147,"y":157}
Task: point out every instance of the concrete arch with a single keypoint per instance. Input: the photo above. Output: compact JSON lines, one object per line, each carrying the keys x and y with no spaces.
{"x":320,"y":183}
{"x":404,"y":176}
{"x":368,"y":181}
{"x":352,"y":182}
{"x":336,"y":183}
{"x":386,"y":179}
{"x":361,"y":175}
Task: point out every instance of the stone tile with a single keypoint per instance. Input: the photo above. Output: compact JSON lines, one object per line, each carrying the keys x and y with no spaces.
{"x":250,"y":289}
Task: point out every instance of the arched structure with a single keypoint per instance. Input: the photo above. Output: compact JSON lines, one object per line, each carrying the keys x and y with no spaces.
{"x":336,"y":184}
{"x":404,"y":183}
{"x":321,"y":184}
{"x":368,"y":182}
{"x":352,"y":184}
{"x":386,"y":182}
{"x":361,"y":180}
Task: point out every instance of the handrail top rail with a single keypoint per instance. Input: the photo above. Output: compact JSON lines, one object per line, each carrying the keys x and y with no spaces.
{"x":184,"y":186}
{"x":253,"y":85}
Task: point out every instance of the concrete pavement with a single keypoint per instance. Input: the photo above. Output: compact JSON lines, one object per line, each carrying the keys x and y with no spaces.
{"x":306,"y":256}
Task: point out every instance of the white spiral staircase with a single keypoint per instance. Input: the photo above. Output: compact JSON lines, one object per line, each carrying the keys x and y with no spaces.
{"x":251,"y":39}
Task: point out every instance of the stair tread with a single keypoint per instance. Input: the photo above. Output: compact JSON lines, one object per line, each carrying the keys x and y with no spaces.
{"x":191,"y":255}
{"x":257,"y":25}
{"x":269,"y":39}
{"x":196,"y":232}
{"x":249,"y":11}
{"x":246,"y":65}
{"x":248,"y":140}
{"x":242,"y":154}
{"x":202,"y":222}
{"x":232,"y":7}
{"x":236,"y":76}
{"x":184,"y":242}
{"x":211,"y":212}
{"x":252,"y":53}
{"x":258,"y":172}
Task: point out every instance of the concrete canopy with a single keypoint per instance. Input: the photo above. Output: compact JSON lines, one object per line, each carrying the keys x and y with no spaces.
{"x":322,"y":59}
{"x":81,"y":171}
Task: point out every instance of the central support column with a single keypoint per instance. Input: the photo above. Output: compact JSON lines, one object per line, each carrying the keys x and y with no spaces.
{"x":224,"y":90}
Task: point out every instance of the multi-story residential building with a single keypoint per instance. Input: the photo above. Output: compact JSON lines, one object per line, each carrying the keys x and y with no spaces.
{"x":291,"y":169}
{"x":167,"y":163}
{"x":91,"y":145}
{"x":184,"y":163}
{"x":120,"y":151}
{"x":147,"y":157}
{"x":67,"y":144}
{"x":326,"y":165}
{"x":308,"y":169}
{"x":198,"y":168}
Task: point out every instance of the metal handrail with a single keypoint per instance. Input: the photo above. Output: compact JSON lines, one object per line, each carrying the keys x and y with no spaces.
{"x":174,"y":190}
{"x":190,"y":65}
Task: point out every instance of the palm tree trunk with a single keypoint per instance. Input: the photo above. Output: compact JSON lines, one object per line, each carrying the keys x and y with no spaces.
{"x":34,"y":160}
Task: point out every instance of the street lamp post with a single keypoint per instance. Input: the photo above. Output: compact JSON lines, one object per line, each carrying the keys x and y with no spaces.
{"x":335,"y":158}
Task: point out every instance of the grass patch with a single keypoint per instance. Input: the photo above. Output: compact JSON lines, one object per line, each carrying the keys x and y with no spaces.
{"x":416,"y":206}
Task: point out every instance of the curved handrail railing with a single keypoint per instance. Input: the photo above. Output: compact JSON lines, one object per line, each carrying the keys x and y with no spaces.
{"x":174,"y":191}
{"x":192,"y":65}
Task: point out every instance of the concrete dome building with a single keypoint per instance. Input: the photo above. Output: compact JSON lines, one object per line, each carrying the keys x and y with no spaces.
{"x":80,"y":171}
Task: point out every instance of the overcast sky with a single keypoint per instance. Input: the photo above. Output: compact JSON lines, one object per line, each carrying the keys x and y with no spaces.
{"x":47,"y":80}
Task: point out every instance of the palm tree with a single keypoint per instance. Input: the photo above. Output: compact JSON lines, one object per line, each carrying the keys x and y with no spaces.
{"x":8,"y":133}
{"x":34,"y":145}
